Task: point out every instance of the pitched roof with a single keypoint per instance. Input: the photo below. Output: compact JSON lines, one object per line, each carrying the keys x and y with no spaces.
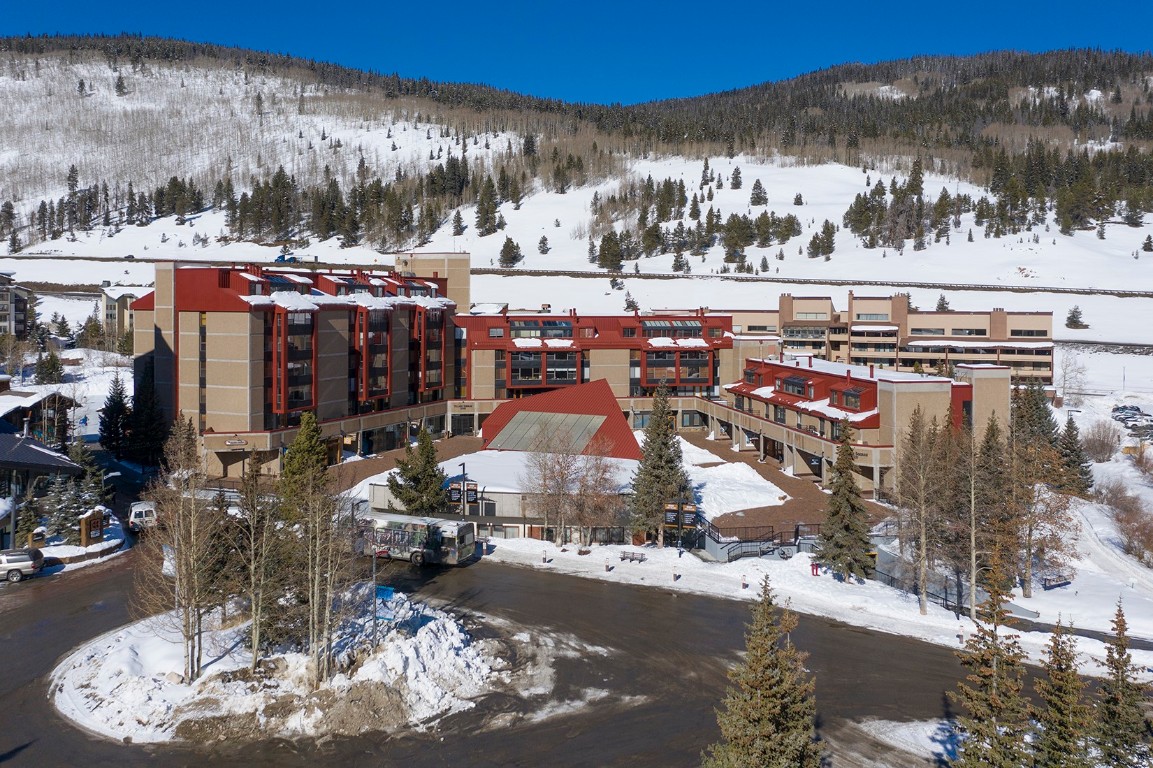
{"x":582,"y":417}
{"x":17,"y":452}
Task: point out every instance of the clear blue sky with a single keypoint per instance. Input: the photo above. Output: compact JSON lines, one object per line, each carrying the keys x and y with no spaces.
{"x":599,"y":50}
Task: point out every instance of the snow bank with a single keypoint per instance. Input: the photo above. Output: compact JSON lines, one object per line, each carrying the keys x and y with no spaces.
{"x":127,"y":684}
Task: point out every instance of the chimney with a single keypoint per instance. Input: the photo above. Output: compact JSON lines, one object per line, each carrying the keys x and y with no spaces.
{"x":26,"y":420}
{"x":848,"y":375}
{"x":810,"y":362}
{"x":870,"y":370}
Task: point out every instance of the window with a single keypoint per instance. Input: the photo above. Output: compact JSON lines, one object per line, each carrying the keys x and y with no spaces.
{"x":851,"y":399}
{"x":927,"y":331}
{"x":969,"y":332}
{"x":715,"y":333}
{"x":779,"y":414}
{"x":1028,"y":332}
{"x":496,"y":333}
{"x":812,"y":315}
{"x":794,"y":385}
{"x":873,"y":316}
{"x":629,"y":333}
{"x":750,"y":376}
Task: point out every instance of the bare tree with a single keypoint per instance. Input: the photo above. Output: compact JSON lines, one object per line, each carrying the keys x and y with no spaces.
{"x":186,"y":549}
{"x":1046,"y":530}
{"x":259,"y":527}
{"x":917,"y":481}
{"x":551,"y":471}
{"x":597,"y":499}
{"x":1071,"y":377}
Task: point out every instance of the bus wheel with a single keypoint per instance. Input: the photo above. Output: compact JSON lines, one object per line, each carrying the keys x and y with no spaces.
{"x":417,"y":558}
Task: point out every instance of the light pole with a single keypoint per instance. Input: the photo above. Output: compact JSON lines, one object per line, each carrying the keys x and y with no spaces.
{"x":375,"y":597}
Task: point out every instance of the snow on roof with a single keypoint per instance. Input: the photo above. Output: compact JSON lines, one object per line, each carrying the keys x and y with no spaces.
{"x":487,"y":309}
{"x":501,"y":471}
{"x":982,"y":344}
{"x":249,"y":277}
{"x":115,"y":292}
{"x":527,"y":343}
{"x":807,"y":362}
{"x":664,"y":342}
{"x":298,"y":279}
{"x":13,"y":399}
{"x":537,"y":343}
{"x":875,"y":328}
{"x":823,"y":408}
{"x":763,"y":391}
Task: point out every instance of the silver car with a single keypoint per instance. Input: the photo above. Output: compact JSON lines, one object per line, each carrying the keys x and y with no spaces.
{"x":15,"y":564}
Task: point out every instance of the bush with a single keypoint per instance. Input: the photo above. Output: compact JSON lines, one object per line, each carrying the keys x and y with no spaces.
{"x":1100,"y":440}
{"x":1134,"y":524}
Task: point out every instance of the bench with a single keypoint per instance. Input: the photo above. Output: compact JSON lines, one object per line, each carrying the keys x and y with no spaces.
{"x":1056,"y":580}
{"x":634,"y":557}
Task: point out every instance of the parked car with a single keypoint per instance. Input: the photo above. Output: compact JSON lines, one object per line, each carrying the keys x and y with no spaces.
{"x":15,"y":564}
{"x":141,"y":516}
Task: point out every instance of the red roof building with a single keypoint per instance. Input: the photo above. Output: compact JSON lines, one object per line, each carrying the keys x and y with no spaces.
{"x":584,"y":418}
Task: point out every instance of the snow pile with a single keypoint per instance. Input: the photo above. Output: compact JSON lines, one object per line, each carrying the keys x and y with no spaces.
{"x":128,"y":685}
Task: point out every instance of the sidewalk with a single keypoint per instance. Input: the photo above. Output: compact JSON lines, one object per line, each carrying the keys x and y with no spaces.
{"x":806,"y":502}
{"x":348,"y":474}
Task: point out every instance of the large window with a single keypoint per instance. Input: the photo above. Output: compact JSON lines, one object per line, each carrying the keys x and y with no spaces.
{"x":812,"y":315}
{"x":927,"y":331}
{"x":671,"y":328}
{"x":873,"y":316}
{"x":970,"y":332}
{"x":1028,"y":332}
{"x":794,"y":385}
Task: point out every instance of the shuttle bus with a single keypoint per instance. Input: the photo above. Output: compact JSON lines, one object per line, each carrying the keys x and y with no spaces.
{"x":420,"y":540}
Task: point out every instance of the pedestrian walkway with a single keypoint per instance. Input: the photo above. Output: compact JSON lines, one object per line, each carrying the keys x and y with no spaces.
{"x":806,"y":503}
{"x":348,"y":474}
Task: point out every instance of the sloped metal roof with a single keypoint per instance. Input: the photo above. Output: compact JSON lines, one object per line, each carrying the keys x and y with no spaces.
{"x":544,"y":431}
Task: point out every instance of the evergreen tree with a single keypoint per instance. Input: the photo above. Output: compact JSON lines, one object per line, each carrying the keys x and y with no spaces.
{"x":1063,"y":721}
{"x":418,"y":482}
{"x":114,"y":420}
{"x":457,"y":224}
{"x":148,"y":427}
{"x":735,"y":179}
{"x":486,"y":208}
{"x":1074,"y":318}
{"x":769,"y":709}
{"x":542,"y":246}
{"x":758,"y":196}
{"x":1147,"y":245}
{"x":510,"y":254}
{"x":630,"y":303}
{"x":997,"y":714}
{"x":120,"y":87}
{"x":306,"y":459}
{"x":942,"y":304}
{"x":609,"y":255}
{"x":1122,"y":737}
{"x":844,"y":542}
{"x":1078,"y":476}
{"x":49,"y":369}
{"x":1031,"y":420}
{"x":660,"y":477}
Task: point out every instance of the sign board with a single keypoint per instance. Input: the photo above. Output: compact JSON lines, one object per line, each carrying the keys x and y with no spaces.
{"x":384,"y":593}
{"x":454,"y":493}
{"x":471,"y":493}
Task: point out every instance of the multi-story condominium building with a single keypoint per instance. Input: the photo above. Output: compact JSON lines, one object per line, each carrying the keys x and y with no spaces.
{"x":244,"y":351}
{"x":792,"y":409}
{"x":886,"y":332}
{"x":116,"y":307}
{"x":508,"y":355}
{"x":14,"y":300}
